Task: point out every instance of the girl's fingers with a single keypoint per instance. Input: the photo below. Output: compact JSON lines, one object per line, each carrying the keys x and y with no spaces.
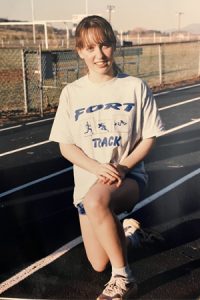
{"x":112,"y":169}
{"x":108,"y":174}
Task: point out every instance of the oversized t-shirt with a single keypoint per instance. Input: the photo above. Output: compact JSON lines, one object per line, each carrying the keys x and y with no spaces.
{"x":106,"y":120}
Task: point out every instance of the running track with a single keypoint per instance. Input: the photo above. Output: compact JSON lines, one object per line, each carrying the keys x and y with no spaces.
{"x":39,"y":225}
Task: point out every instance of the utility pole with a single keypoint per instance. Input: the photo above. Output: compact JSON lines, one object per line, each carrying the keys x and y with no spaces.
{"x":33,"y":20}
{"x":86,"y":7}
{"x":110,"y":9}
{"x":179,"y":14}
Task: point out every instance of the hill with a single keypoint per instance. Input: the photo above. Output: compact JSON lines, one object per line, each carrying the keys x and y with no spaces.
{"x":192,"y":28}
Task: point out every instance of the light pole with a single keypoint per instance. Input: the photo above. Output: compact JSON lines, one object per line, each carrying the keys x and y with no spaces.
{"x":179,"y":14}
{"x":86,"y":7}
{"x":33,"y":20}
{"x":110,"y":9}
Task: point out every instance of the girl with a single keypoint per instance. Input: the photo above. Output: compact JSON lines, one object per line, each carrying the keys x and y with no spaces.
{"x":106,"y":124}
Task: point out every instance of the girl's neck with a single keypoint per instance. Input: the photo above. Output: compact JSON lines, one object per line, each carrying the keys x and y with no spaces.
{"x":100,"y":78}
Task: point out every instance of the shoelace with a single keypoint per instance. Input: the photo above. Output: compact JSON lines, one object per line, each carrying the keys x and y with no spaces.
{"x":116,"y":285}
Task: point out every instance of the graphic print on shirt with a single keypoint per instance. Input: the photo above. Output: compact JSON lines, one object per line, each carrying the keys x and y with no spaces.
{"x":102,"y":126}
{"x":105,"y":132}
{"x":88,"y":129}
{"x":111,"y":107}
{"x":105,"y":125}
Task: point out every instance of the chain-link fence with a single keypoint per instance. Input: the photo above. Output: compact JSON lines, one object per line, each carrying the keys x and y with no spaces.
{"x":31,"y":80}
{"x":11,"y":79}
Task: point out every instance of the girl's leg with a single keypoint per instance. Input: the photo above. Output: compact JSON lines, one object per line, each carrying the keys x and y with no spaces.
{"x":94,"y":251}
{"x":103,"y":225}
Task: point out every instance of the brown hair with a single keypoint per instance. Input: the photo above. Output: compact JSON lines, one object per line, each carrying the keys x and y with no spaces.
{"x":101,"y":29}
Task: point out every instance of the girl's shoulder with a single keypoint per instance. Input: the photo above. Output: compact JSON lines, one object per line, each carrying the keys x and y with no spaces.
{"x":78,"y":82}
{"x":135,"y":82}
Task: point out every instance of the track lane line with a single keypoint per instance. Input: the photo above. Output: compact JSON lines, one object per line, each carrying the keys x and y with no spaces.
{"x":179,"y":127}
{"x":177,"y":89}
{"x":179,"y":103}
{"x":44,"y":178}
{"x":24,"y":148}
{"x":12,"y":127}
{"x":39,"y":121}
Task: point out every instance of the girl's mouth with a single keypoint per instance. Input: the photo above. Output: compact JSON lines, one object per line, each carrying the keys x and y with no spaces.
{"x":102,"y":63}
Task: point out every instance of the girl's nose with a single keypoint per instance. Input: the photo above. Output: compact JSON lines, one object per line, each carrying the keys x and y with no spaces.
{"x":99,"y":52}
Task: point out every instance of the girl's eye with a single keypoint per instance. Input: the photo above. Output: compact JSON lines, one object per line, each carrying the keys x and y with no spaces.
{"x":90,"y":49}
{"x":106,"y":45}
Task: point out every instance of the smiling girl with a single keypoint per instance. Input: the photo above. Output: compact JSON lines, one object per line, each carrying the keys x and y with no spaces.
{"x":106,"y":124}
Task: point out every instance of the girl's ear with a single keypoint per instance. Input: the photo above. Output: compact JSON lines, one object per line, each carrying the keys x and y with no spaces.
{"x":79,"y":51}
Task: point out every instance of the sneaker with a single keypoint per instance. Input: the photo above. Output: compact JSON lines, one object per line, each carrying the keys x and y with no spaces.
{"x":118,"y":288}
{"x":139,"y":236}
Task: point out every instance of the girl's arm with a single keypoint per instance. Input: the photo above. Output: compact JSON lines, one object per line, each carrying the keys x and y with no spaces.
{"x":77,"y":157}
{"x":137,"y":155}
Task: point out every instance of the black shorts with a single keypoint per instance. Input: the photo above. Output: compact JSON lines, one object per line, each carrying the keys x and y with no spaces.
{"x":140,"y":182}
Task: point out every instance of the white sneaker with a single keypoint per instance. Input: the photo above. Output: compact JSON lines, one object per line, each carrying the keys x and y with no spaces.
{"x":118,"y":288}
{"x":139,"y":236}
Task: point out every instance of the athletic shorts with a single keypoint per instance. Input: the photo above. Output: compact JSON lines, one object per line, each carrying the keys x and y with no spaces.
{"x":141,"y":184}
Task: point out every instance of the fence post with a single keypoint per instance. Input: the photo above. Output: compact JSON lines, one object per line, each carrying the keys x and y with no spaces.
{"x":40,"y":81}
{"x":24,"y":81}
{"x":123,"y":60}
{"x":160,"y":63}
{"x":199,"y":61}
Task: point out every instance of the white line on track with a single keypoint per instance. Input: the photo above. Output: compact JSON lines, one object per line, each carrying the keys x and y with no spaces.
{"x":26,"y":124}
{"x":176,"y":89}
{"x":39,"y":121}
{"x":12,"y":127}
{"x":47,"y":141}
{"x":179,"y":103}
{"x":23,"y":186}
{"x":180,"y":127}
{"x":69,"y":246}
{"x":163,"y":191}
{"x":24,"y":148}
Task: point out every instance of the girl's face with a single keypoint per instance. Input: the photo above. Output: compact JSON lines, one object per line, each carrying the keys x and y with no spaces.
{"x":98,"y":57}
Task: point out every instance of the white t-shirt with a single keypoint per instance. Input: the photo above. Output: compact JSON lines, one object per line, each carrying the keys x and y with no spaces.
{"x":106,"y":120}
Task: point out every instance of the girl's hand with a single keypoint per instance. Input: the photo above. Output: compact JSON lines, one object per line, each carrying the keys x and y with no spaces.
{"x":108,"y":174}
{"x":122,"y":170}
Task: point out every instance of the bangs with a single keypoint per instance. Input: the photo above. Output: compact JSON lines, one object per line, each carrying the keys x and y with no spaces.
{"x":93,"y":36}
{"x":94,"y":30}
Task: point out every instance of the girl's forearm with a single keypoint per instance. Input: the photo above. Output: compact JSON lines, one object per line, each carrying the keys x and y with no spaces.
{"x":138,"y":154}
{"x":77,"y":157}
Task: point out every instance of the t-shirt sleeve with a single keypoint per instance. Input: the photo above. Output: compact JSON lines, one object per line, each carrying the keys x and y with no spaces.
{"x":61,"y":129}
{"x":151,"y":121}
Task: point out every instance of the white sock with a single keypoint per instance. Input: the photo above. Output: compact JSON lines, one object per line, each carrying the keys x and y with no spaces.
{"x":124,"y":271}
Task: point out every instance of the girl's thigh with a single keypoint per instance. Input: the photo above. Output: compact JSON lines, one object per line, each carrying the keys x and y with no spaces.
{"x":126,"y":197}
{"x":119,"y":199}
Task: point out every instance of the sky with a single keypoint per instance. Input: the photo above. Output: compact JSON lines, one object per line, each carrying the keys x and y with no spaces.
{"x":128,"y":14}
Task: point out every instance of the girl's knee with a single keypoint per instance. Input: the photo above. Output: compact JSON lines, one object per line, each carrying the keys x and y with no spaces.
{"x":96,"y":203}
{"x":99,"y":267}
